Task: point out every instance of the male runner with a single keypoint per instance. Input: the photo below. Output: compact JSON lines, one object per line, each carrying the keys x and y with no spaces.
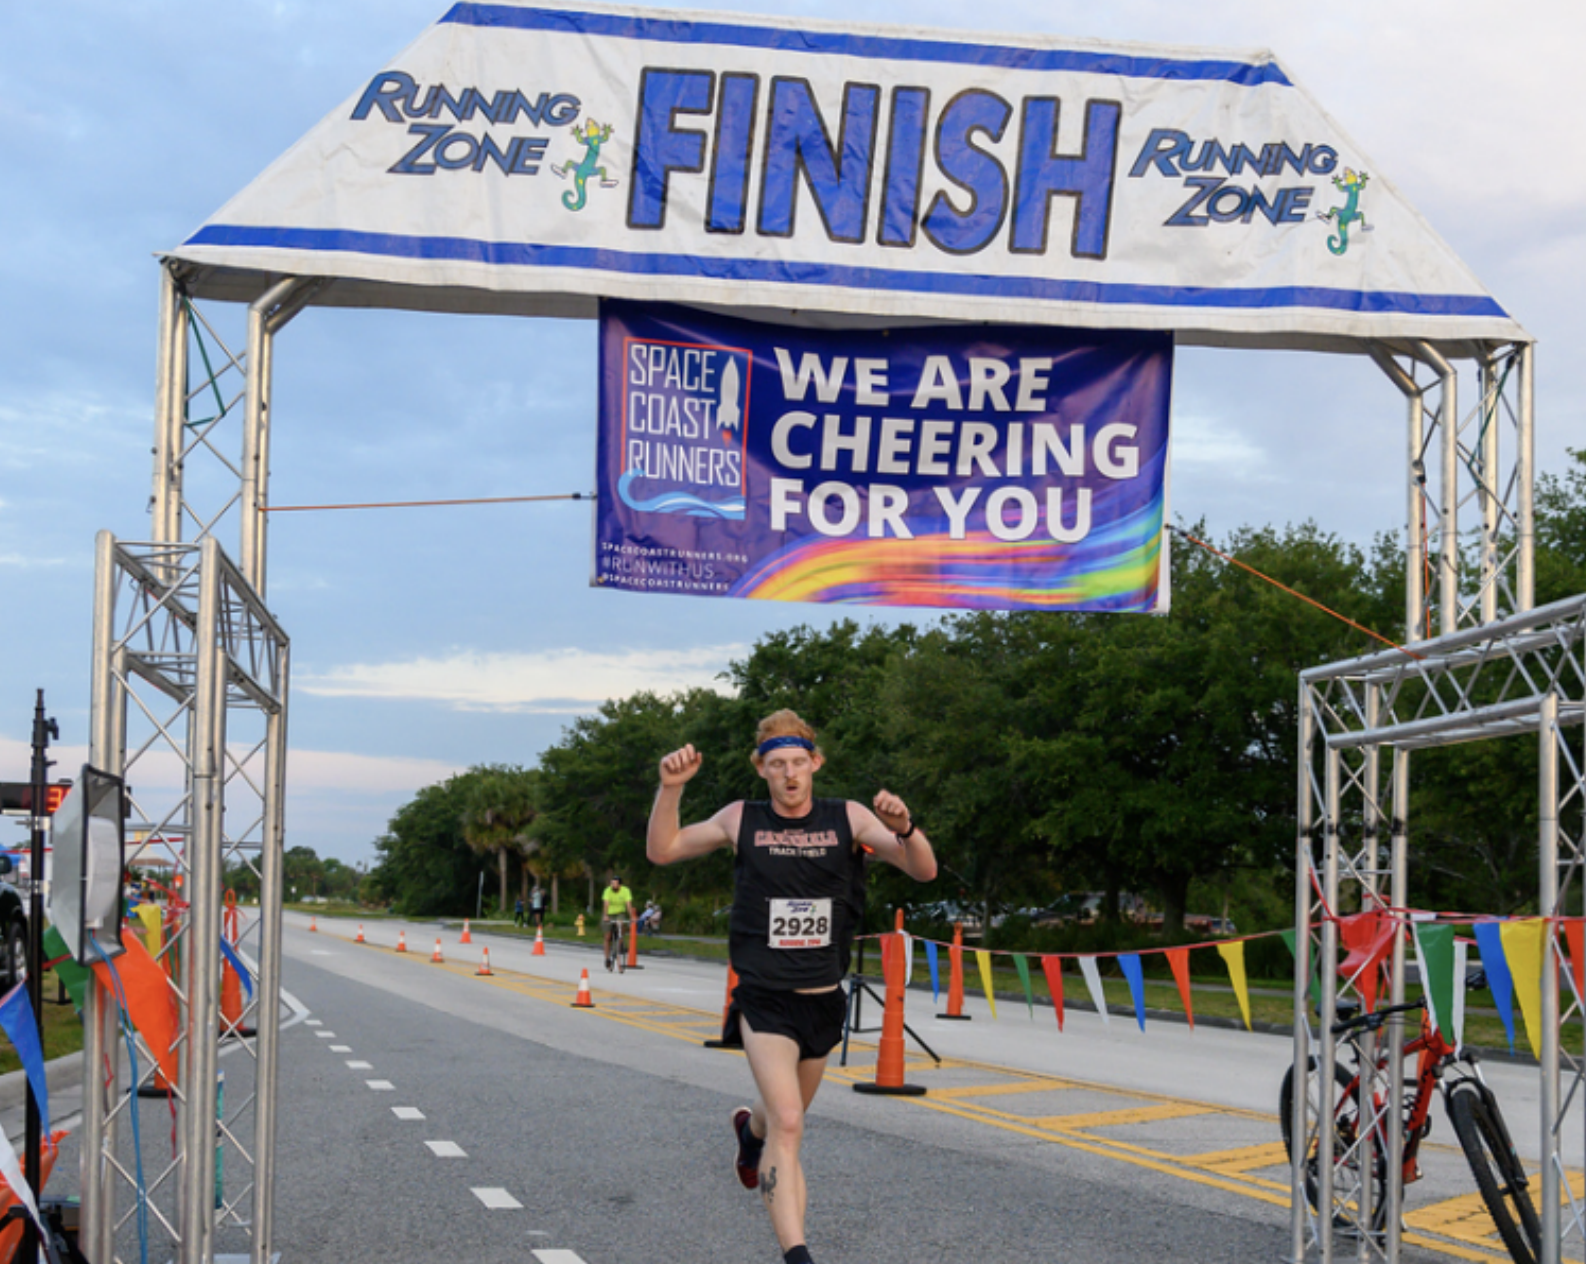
{"x":616,"y":907}
{"x":799,"y":890}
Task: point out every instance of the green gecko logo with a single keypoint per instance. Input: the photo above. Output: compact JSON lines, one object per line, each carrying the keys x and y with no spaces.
{"x":1350,"y":185}
{"x":592,"y":137}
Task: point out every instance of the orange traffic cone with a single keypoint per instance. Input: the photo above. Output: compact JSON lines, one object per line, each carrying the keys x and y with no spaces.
{"x":889,"y":1058}
{"x":402,"y":941}
{"x":584,"y":1000}
{"x":633,"y":947}
{"x":313,"y":923}
{"x":437,"y":957}
{"x":467,"y":937}
{"x":231,"y":1004}
{"x":539,"y":943}
{"x":358,"y":938}
{"x":484,"y":970}
{"x":955,"y":977}
{"x":726,"y":1008}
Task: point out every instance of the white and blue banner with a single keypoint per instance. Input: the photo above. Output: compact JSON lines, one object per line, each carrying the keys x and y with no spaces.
{"x":529,"y":159}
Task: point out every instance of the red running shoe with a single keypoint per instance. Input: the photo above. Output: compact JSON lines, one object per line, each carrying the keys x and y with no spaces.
{"x":747,"y":1161}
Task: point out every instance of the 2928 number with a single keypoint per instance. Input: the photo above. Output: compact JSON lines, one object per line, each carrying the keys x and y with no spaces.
{"x":800,"y":926}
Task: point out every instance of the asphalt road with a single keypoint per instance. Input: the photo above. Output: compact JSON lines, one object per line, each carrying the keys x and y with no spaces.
{"x":429,"y":1113}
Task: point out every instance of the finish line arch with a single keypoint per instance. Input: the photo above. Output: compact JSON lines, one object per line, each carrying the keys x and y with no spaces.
{"x":521,"y":161}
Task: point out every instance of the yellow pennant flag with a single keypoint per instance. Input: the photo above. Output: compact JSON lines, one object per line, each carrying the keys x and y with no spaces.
{"x":983,"y":960}
{"x":153,"y":933}
{"x":1233,"y":955}
{"x":1524,"y":943}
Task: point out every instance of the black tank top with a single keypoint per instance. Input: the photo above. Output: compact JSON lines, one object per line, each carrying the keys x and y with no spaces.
{"x":809,"y":858}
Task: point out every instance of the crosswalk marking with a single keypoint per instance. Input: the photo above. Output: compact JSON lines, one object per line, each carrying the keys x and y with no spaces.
{"x":497,"y":1199}
{"x":446,"y":1150}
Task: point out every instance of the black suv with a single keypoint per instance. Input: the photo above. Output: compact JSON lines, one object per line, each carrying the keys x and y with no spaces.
{"x":13,"y":930}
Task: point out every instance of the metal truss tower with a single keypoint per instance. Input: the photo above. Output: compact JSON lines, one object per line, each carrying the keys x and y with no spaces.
{"x":1479,"y":664}
{"x":189,"y":704}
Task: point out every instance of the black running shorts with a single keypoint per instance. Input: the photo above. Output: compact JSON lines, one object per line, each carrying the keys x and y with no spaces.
{"x":812,"y":1020}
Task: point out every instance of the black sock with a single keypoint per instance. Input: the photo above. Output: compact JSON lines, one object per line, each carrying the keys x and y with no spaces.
{"x":799,"y":1254}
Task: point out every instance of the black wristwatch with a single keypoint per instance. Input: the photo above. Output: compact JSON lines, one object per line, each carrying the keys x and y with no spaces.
{"x":906,"y":833}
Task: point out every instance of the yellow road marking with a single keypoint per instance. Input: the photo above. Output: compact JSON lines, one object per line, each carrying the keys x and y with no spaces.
{"x":1242,"y":1159}
{"x":1114,"y":1118}
{"x":997,"y":1090}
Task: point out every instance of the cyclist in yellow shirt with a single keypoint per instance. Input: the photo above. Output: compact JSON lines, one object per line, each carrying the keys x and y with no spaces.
{"x":616,"y":914}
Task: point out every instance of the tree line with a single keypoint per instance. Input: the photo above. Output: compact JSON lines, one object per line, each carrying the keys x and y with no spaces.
{"x":1046,"y":754}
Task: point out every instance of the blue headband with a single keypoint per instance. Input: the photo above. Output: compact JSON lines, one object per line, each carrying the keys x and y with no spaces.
{"x":777,"y":743}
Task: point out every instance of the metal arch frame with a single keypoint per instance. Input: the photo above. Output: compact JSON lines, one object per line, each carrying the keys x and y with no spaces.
{"x":1468,"y":469}
{"x":1525,"y":674}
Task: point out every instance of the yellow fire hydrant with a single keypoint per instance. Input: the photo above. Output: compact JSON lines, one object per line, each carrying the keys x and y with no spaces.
{"x":578,"y":925}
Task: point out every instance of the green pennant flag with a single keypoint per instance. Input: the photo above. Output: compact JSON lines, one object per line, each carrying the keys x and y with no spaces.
{"x":1022,"y":965}
{"x":1435,"y":944}
{"x":73,"y":976}
{"x":1316,"y":987}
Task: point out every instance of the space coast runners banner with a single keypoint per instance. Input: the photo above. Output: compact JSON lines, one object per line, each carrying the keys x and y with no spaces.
{"x":988,"y":468}
{"x":528,"y":159}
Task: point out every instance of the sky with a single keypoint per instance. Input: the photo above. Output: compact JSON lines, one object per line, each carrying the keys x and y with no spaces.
{"x":426,"y":641}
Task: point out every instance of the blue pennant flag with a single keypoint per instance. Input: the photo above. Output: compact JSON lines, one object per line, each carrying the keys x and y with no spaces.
{"x":16,"y":1019}
{"x":230,"y":954}
{"x":1489,"y":939}
{"x":936,"y":979}
{"x":1130,"y":963}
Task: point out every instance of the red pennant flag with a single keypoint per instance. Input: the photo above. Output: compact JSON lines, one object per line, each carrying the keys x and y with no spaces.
{"x":1052,"y":967}
{"x":1178,"y":958}
{"x":1369,"y":938}
{"x":150,"y":1004}
{"x":1575,"y":936}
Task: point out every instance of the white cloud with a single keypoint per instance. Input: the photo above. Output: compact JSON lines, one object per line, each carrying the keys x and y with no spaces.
{"x":1200,"y":441}
{"x":563,"y":681}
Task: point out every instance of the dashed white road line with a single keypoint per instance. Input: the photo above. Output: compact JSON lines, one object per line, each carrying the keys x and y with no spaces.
{"x":407,"y":1112}
{"x":555,"y":1255}
{"x":326,"y":1035}
{"x":355,"y":1065}
{"x":498,"y":1199}
{"x":381,"y":1086}
{"x":313,"y":1022}
{"x":446,"y":1150}
{"x":341,"y":1048}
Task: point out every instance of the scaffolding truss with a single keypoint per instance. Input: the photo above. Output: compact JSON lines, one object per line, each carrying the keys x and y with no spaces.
{"x":1522,"y":675}
{"x":189,"y":705}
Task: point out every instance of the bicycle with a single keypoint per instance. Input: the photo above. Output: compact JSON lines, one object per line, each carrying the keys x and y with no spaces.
{"x":617,"y":945}
{"x":1472,"y":1110}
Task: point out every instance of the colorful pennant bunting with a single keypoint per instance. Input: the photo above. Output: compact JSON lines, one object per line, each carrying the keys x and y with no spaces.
{"x":983,"y":960}
{"x":1233,"y":955}
{"x":1489,"y":940}
{"x":1052,"y":968}
{"x":1178,"y":959}
{"x":1129,"y":962}
{"x":936,"y":977}
{"x":18,"y":1022}
{"x":1525,"y":946}
{"x":1098,"y":998}
{"x":1022,"y":965}
{"x":1434,"y":950}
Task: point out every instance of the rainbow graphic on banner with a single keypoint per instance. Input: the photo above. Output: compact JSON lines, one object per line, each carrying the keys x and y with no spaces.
{"x":1117,"y":568}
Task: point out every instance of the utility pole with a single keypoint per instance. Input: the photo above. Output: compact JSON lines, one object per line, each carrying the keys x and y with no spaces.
{"x":44,"y":728}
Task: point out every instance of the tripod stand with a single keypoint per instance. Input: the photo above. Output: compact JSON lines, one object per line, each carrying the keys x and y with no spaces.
{"x":858,"y":988}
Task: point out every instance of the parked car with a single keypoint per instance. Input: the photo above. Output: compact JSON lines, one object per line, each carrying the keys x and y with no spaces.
{"x":13,"y":930}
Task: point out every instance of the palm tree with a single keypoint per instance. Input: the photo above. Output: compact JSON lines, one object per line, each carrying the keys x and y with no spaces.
{"x":500,"y":806}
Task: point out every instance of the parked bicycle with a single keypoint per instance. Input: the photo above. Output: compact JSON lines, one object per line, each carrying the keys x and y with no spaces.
{"x":1472,"y":1109}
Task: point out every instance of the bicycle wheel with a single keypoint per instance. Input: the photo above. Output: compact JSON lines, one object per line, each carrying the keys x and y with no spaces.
{"x":1345,"y":1106}
{"x":1500,"y":1177}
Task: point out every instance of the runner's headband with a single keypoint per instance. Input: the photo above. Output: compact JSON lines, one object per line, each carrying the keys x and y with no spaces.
{"x":788,"y":739}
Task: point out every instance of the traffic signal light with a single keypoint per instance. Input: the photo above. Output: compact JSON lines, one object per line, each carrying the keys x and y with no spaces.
{"x":16,"y":797}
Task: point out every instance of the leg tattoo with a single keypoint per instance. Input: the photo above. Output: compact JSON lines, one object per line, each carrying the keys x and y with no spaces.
{"x":768,"y":1184}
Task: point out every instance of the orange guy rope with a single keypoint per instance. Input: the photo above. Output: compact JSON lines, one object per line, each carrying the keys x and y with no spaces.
{"x":426,"y":504}
{"x":1244,"y":566}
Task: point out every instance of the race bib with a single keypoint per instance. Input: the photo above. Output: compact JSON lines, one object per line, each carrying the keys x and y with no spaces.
{"x":801,"y":923}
